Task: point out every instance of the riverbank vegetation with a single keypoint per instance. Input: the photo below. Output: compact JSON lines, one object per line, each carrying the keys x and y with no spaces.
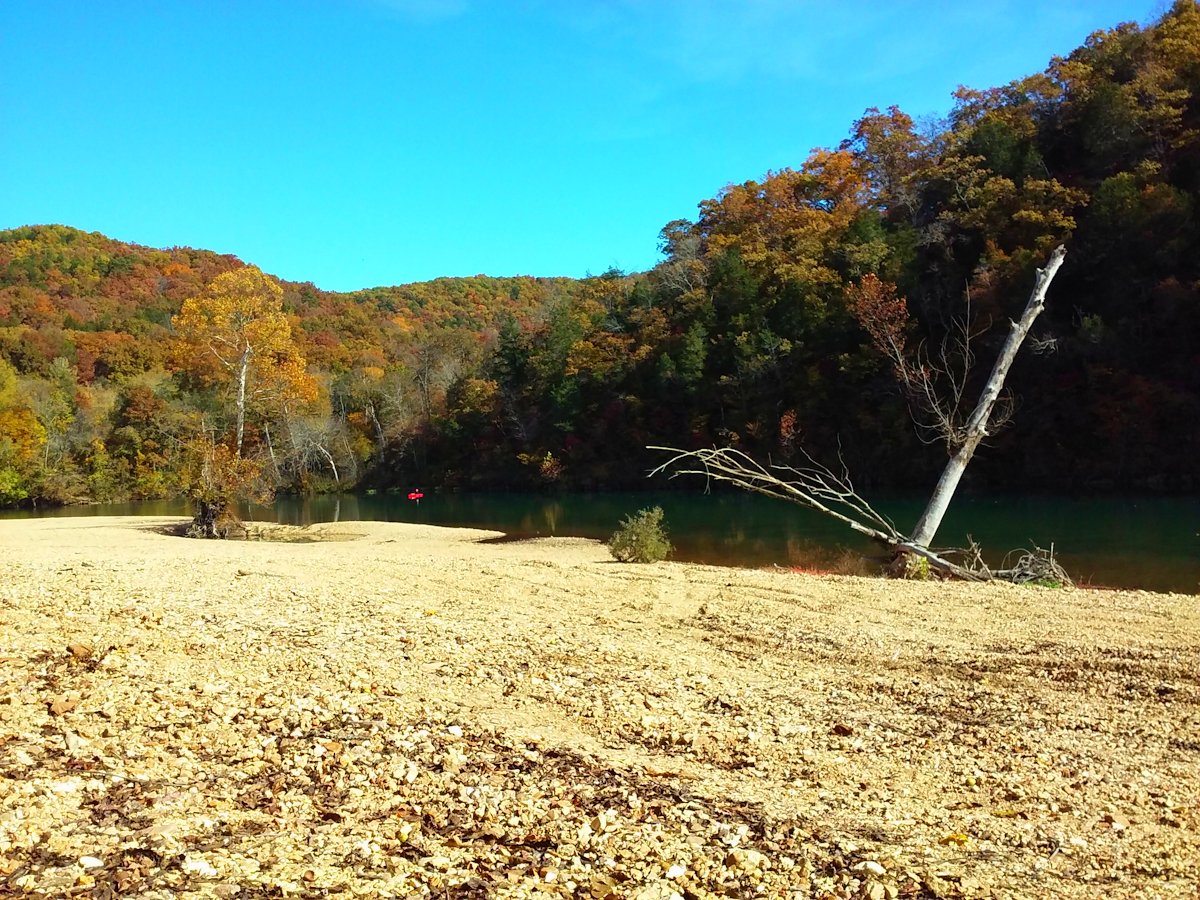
{"x":743,"y":336}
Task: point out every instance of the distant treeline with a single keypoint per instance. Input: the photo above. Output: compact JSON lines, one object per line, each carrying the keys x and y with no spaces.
{"x":740,"y":336}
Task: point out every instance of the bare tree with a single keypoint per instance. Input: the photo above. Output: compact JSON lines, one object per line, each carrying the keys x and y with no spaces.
{"x":979,"y":425}
{"x":832,"y":493}
{"x":311,"y":440}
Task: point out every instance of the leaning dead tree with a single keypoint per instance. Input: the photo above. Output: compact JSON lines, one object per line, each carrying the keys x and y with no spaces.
{"x":978,"y":425}
{"x":832,"y":493}
{"x":813,"y":485}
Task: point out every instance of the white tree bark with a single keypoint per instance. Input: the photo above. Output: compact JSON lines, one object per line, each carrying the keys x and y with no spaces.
{"x":242,"y":372}
{"x":332,"y":465}
{"x":977,"y":425}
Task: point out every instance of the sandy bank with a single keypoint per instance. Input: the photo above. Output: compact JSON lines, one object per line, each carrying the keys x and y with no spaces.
{"x":406,"y":711}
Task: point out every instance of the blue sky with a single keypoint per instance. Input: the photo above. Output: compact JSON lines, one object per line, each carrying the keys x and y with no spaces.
{"x":356,"y":143}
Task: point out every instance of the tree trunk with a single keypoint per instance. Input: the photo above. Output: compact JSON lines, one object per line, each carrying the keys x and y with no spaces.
{"x":977,"y":426}
{"x":206,"y":522}
{"x":379,"y":438}
{"x":332,"y":466}
{"x":243,"y":371}
{"x":271,"y":450}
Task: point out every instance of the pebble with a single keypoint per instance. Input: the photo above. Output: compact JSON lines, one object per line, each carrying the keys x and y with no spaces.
{"x":746,"y":860}
{"x":871,"y":867}
{"x":194,"y":865}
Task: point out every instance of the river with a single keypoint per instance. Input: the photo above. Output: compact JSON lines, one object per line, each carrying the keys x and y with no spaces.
{"x":1135,"y":542}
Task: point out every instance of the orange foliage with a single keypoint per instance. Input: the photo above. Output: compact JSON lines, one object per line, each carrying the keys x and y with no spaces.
{"x":882,"y":313}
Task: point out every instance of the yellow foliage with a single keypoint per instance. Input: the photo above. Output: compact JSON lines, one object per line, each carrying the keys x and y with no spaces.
{"x":15,"y":250}
{"x":477,"y":395}
{"x":784,"y":225}
{"x":238,"y":323}
{"x":242,"y":311}
{"x":21,"y":432}
{"x":599,"y":355}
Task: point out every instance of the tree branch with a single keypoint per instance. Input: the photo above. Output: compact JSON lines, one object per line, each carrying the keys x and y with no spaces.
{"x":814,"y":486}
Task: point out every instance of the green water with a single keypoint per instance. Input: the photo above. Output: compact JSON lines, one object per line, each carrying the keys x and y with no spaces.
{"x":1148,"y":543}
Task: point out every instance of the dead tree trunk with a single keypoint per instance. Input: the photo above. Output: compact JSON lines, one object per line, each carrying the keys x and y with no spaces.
{"x":833,"y":494}
{"x":207,"y":523}
{"x":977,"y":426}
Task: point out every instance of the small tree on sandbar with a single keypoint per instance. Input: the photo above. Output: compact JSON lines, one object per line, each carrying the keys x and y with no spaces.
{"x":235,"y":337}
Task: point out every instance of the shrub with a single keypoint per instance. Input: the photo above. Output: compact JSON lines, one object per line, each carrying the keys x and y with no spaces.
{"x":641,"y":538}
{"x":12,"y":487}
{"x":909,"y":566}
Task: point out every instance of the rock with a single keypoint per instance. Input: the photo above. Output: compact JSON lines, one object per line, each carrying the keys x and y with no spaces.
{"x":75,"y":744}
{"x":1115,"y":822}
{"x":871,"y":867}
{"x":91,"y":862}
{"x":195,"y":865}
{"x":746,"y":860}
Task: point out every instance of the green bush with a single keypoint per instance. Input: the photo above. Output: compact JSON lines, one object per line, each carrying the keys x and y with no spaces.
{"x":12,"y":487}
{"x":641,"y":538}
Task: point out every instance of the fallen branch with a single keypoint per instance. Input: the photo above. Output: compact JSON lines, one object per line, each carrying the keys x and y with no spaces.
{"x":1036,"y":565}
{"x":814,"y":486}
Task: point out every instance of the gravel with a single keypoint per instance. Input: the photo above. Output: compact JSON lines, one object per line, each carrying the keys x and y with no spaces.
{"x":374,"y":710}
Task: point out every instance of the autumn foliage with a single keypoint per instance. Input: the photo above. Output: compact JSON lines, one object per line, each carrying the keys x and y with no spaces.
{"x":883,"y":313}
{"x":771,"y":320}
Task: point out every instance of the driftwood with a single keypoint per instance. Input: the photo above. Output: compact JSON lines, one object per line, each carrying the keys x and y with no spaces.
{"x":818,"y":487}
{"x":1035,"y":565}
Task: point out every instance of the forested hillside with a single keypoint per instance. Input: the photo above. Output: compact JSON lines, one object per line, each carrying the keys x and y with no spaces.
{"x":742,"y":335}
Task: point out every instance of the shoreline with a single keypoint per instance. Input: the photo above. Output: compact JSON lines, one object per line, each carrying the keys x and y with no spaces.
{"x":756,"y":543}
